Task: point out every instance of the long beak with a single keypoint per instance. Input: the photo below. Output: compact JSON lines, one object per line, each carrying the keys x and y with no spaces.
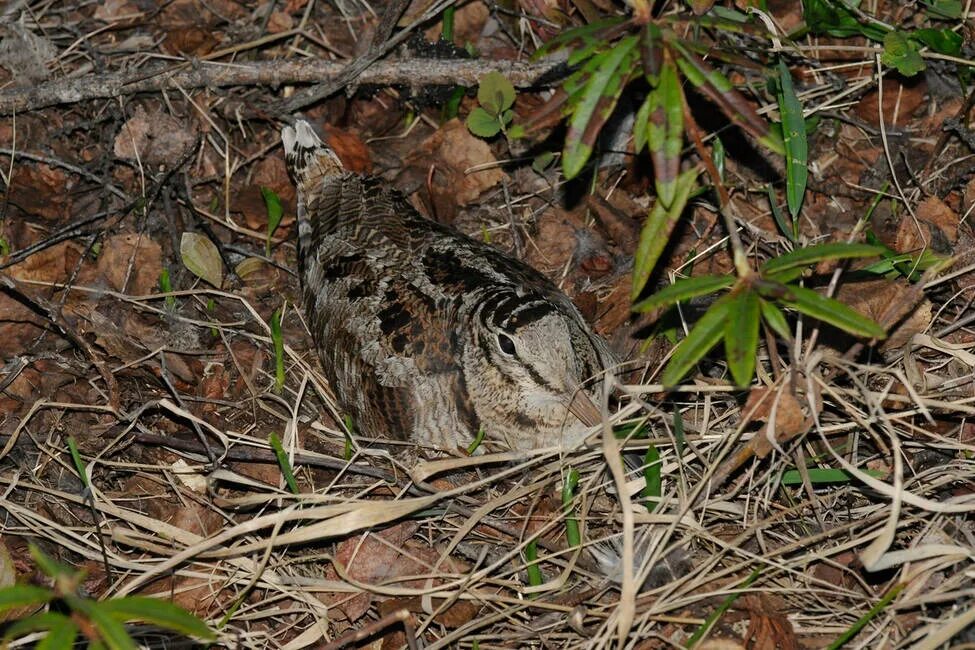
{"x":583,"y":408}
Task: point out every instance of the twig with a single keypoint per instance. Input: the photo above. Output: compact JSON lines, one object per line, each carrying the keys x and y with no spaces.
{"x":411,"y":72}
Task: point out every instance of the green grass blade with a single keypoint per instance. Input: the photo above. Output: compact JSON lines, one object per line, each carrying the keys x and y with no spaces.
{"x":573,"y":537}
{"x":683,"y":290}
{"x":531,"y":559}
{"x":283,"y":462}
{"x":721,"y":609}
{"x":866,"y":618}
{"x":741,"y":336}
{"x":157,"y":612}
{"x":804,"y":257}
{"x":275,"y":211}
{"x":831,"y":311}
{"x":794,"y":136}
{"x":656,"y":232}
{"x":652,"y":478}
{"x":703,"y":336}
{"x":596,"y":104}
{"x":823,"y":476}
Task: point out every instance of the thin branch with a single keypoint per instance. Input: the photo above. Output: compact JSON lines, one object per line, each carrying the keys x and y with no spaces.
{"x":410,"y":72}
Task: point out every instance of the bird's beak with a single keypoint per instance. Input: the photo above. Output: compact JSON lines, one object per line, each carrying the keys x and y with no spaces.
{"x":583,"y":408}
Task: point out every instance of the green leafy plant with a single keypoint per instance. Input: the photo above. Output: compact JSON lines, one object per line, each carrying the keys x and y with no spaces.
{"x":102,"y":624}
{"x":753,"y":299}
{"x":496,"y":95}
{"x":611,"y":55}
{"x":902,"y":49}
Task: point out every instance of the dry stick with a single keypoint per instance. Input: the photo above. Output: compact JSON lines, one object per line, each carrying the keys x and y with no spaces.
{"x":462,"y":72}
{"x":378,"y":46}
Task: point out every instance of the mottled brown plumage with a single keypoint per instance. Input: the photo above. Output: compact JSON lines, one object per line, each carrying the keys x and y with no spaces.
{"x":428,"y":335}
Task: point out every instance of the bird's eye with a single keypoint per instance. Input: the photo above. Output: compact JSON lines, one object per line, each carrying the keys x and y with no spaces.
{"x":506,"y":344}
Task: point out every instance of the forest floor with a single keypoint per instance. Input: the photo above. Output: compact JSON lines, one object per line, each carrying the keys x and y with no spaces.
{"x":831,"y":497}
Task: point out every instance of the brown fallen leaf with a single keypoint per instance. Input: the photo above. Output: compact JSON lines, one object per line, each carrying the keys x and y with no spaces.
{"x":154,"y":138}
{"x":131,"y":263}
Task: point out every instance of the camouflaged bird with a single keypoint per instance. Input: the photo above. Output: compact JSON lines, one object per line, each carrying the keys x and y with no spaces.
{"x":428,"y":335}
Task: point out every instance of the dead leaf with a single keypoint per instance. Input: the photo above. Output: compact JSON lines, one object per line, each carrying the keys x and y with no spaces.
{"x":768,"y":627}
{"x":371,"y":558}
{"x":934,"y":212}
{"x":875,"y":299}
{"x":154,"y":138}
{"x":901,"y":98}
{"x":131,"y":263}
{"x":350,"y":149}
{"x":464,"y":165}
{"x":42,"y":191}
{"x":201,"y":257}
{"x":112,"y":11}
{"x":789,"y":420}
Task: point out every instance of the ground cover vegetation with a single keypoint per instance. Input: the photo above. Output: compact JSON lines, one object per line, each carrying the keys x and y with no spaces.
{"x":764,"y":206}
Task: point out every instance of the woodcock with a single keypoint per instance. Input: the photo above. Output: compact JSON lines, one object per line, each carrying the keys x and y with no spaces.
{"x":427,"y":335}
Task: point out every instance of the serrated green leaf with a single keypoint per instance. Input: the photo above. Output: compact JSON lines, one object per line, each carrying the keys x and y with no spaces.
{"x":794,"y":136}
{"x":596,"y":104}
{"x":201,"y":257}
{"x":495,"y":93}
{"x":161,"y":613}
{"x":483,"y":124}
{"x":741,"y":336}
{"x":24,"y":596}
{"x":656,"y":232}
{"x":775,"y":268}
{"x":832,"y":311}
{"x":685,"y":289}
{"x":775,"y":319}
{"x":943,"y":41}
{"x":111,"y":632}
{"x":703,"y":336}
{"x":901,"y":53}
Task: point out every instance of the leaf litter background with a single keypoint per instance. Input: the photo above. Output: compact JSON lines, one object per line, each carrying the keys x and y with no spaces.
{"x":171,"y":398}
